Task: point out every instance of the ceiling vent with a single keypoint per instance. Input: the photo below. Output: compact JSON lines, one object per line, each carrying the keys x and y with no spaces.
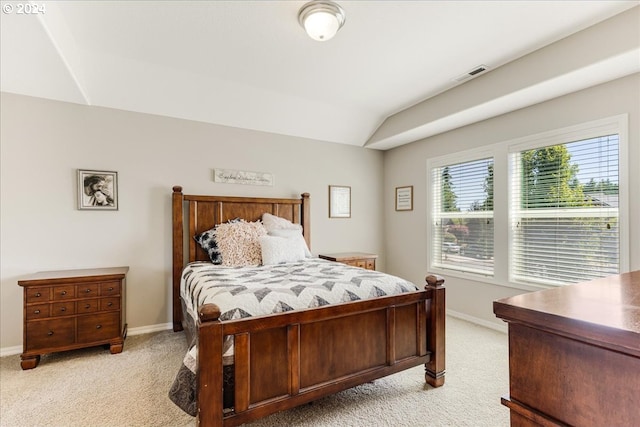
{"x":473,"y":73}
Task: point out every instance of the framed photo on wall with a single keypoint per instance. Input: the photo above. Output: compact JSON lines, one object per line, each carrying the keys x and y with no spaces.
{"x":339,"y":201}
{"x":404,"y":198}
{"x":97,"y":190}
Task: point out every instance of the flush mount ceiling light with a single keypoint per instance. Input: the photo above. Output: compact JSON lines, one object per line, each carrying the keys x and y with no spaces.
{"x":321,"y":19}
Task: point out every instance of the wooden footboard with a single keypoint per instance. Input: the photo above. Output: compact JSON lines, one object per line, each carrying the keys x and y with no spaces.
{"x":284,"y":360}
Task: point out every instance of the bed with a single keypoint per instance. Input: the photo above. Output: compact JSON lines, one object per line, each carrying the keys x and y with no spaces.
{"x":293,"y":357}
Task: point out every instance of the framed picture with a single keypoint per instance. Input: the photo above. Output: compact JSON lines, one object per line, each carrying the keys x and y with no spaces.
{"x":339,"y":201}
{"x":404,"y":198}
{"x":97,"y":190}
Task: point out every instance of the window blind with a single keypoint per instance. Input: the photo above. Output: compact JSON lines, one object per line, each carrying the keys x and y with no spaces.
{"x":462,"y":215}
{"x":564,"y":212}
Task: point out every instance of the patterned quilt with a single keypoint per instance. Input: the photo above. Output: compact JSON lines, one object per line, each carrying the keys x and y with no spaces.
{"x":242,"y":292}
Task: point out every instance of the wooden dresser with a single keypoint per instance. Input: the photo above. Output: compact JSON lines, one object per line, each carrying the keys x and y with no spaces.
{"x":358,"y":259}
{"x":65,"y":310}
{"x":574,"y":354}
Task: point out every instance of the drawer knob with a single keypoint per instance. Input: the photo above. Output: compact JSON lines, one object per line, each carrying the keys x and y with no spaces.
{"x":87,"y":306}
{"x":50,"y":333}
{"x":63,"y":293}
{"x":110,"y":289}
{"x":36,"y":312}
{"x":38,"y":295}
{"x":109,"y":304}
{"x":88,"y":290}
{"x":63,"y":308}
{"x":98,"y":326}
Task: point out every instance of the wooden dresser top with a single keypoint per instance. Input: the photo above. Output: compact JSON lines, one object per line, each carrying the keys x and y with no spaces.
{"x":72,"y":276}
{"x":604,"y":311}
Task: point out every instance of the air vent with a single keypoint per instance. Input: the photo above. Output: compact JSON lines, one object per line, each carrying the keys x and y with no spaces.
{"x":473,"y":73}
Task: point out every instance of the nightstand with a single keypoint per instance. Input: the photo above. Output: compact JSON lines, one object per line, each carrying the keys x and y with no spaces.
{"x":357,"y":259}
{"x":70,"y":309}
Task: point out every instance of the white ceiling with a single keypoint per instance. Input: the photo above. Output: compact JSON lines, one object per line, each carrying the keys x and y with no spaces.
{"x":249,"y":64}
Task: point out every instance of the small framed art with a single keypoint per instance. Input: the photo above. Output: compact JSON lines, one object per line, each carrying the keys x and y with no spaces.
{"x":339,"y":201}
{"x":404,"y":198}
{"x":97,"y":190}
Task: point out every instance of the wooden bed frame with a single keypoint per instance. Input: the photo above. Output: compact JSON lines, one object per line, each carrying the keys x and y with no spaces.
{"x":288,"y":359}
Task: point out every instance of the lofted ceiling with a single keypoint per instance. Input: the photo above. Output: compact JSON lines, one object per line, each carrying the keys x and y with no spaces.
{"x":249,"y":64}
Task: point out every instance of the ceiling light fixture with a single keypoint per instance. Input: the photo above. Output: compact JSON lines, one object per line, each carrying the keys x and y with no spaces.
{"x":321,"y":19}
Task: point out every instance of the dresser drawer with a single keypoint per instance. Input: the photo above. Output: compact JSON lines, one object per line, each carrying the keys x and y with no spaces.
{"x":99,"y":327}
{"x":87,"y":306}
{"x":50,"y":333}
{"x":63,"y":308}
{"x":37,"y":311}
{"x":35,"y":295}
{"x":107,"y":304}
{"x":109,"y":289}
{"x":88,"y":290}
{"x":64,"y":292}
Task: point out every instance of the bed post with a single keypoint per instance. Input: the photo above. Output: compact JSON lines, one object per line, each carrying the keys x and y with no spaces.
{"x":209,"y":367}
{"x":436,"y":315}
{"x":178,"y":255}
{"x":305,"y":218}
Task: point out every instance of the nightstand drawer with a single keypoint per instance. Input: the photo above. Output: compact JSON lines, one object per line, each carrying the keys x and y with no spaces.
{"x":47,"y":334}
{"x":356,"y":259}
{"x":99,"y":327}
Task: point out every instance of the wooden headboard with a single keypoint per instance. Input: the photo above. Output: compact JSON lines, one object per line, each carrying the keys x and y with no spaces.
{"x":204,"y":212}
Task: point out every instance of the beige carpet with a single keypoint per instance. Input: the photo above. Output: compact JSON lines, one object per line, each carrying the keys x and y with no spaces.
{"x":92,"y":388}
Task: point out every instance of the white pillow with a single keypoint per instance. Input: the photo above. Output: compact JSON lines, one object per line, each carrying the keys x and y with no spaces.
{"x":276,"y":250}
{"x":272,"y":222}
{"x":295,"y":235}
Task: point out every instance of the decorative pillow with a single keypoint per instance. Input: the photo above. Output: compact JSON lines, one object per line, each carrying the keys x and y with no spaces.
{"x":276,"y":250}
{"x":207,"y":241}
{"x":295,"y":236}
{"x":239,"y":243}
{"x":272,"y":222}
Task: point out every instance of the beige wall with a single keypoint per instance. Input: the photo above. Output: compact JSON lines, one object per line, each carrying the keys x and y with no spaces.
{"x":44,"y":142}
{"x":405,"y":232}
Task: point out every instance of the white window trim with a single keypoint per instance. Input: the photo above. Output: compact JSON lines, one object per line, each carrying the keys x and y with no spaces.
{"x":500,"y":151}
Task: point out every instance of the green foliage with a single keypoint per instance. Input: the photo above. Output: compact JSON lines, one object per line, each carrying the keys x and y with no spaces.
{"x":550,"y":180}
{"x":449,"y":197}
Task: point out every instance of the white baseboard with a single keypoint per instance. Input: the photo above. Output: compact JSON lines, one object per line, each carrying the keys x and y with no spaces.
{"x":487,"y":324}
{"x":12,"y":351}
{"x":149,"y":329}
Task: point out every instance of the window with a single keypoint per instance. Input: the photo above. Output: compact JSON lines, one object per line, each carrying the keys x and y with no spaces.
{"x":558,"y":215}
{"x":564,"y":211}
{"x":462,"y":216}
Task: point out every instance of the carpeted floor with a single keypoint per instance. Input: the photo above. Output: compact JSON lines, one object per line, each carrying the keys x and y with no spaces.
{"x":93,"y":388}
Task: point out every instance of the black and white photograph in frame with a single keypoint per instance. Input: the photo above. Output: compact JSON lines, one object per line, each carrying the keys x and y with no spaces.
{"x":97,"y":190}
